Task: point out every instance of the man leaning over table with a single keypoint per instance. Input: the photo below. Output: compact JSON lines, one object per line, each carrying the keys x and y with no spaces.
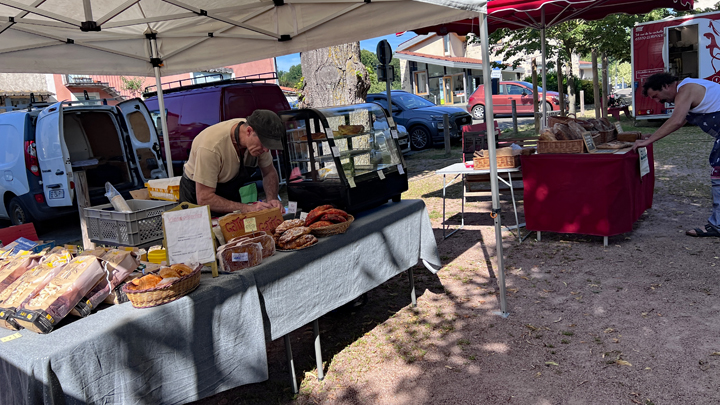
{"x":697,"y":101}
{"x":219,"y":159}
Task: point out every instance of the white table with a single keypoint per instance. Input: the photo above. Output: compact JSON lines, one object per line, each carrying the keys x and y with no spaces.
{"x":459,"y":170}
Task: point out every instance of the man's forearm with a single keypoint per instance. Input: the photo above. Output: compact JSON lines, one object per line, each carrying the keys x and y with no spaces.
{"x":271,"y":185}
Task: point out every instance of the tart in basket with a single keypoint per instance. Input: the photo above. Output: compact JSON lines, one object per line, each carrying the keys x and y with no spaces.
{"x":333,"y":229}
{"x":155,"y":296}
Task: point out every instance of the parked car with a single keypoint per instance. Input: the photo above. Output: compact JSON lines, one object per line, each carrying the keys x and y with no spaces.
{"x":194,"y":107}
{"x":44,"y":145}
{"x":422,"y":118}
{"x":521,"y":92}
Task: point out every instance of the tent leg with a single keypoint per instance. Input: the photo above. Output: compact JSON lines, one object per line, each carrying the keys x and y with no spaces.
{"x":493,"y":162}
{"x":163,"y":115}
{"x":544,"y":69}
{"x":291,"y":364}
{"x":413,"y":297}
{"x":318,"y":351}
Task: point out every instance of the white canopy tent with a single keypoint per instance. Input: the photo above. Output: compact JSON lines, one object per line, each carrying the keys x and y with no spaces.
{"x":164,"y":37}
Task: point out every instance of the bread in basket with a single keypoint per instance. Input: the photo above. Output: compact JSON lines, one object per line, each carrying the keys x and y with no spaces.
{"x":165,"y":293}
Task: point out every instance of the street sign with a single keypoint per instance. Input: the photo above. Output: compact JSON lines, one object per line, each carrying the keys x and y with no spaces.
{"x":384,"y":52}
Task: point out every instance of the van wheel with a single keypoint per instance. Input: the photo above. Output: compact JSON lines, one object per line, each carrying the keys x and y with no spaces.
{"x":419,"y":138}
{"x":18,"y":213}
{"x":478,"y":112}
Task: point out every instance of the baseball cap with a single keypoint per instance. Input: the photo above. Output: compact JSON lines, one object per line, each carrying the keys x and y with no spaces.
{"x":269,"y":128}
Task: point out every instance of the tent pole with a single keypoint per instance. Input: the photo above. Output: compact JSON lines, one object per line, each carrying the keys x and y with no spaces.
{"x":161,"y":104}
{"x":493,"y":162}
{"x":544,"y":68}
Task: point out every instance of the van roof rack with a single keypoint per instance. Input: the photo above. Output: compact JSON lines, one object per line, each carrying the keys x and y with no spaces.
{"x":206,"y":81}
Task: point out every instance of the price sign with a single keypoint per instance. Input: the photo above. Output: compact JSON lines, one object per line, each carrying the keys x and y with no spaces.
{"x":589,"y":144}
{"x":250,"y":225}
{"x":351,"y":181}
{"x":400,"y":169}
{"x":644,"y":162}
{"x":619,"y":128}
{"x":239,"y":257}
{"x":335,"y":151}
{"x":394,"y":134}
{"x":381,"y":174}
{"x":391,"y":122}
{"x":292,"y":207}
{"x":329,"y":133}
{"x":303,"y":215}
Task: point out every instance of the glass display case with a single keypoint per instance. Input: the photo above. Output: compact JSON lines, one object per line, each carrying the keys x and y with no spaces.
{"x":347,"y":156}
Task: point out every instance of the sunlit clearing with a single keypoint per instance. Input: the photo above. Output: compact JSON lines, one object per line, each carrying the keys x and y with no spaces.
{"x":496,"y":347}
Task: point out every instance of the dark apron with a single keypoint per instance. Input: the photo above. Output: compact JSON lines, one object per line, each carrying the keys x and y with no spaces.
{"x":229,"y":190}
{"x":709,"y":123}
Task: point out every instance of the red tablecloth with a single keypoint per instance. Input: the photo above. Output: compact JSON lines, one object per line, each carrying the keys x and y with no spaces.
{"x":592,"y":194}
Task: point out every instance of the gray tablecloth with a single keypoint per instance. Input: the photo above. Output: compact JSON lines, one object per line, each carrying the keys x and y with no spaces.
{"x":207,"y":342}
{"x":299,"y":287}
{"x":212,"y":339}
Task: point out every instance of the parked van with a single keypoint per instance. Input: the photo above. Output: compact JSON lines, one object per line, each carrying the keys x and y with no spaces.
{"x":192,"y":107}
{"x":44,"y":146}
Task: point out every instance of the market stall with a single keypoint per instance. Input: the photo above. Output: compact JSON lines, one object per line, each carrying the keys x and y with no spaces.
{"x":591,"y":194}
{"x":212,"y":340}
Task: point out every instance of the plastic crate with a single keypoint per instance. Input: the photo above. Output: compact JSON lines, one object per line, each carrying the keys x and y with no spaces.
{"x":143,"y":225}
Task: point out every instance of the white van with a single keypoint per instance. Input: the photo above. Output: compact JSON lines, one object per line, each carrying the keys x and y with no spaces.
{"x":45,"y":146}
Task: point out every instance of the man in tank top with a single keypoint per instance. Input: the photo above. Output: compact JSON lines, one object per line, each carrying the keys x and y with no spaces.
{"x":697,"y":101}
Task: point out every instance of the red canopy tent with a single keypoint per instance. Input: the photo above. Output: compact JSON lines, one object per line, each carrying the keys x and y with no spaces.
{"x":538,"y":14}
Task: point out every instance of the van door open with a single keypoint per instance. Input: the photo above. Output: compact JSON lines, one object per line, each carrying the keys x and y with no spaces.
{"x":144,"y":139}
{"x":54,"y":158}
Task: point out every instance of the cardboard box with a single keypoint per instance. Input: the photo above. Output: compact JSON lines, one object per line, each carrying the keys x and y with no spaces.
{"x":239,"y":224}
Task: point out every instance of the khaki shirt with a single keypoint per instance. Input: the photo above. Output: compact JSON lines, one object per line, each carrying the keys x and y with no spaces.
{"x":213,"y":158}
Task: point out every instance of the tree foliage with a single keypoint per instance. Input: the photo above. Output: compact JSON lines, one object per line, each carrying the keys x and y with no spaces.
{"x":292,"y":77}
{"x":133,"y":84}
{"x":370,"y":60}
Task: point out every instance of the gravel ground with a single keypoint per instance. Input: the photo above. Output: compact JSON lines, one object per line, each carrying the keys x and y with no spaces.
{"x":628,"y":323}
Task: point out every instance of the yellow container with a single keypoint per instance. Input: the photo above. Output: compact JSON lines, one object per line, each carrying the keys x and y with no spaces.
{"x":157,"y":256}
{"x":172,"y":193}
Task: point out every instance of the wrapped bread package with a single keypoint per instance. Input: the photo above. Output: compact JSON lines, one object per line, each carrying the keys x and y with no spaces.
{"x":265,"y":240}
{"x":25,"y":287}
{"x":241,"y":256}
{"x":119,"y":263}
{"x":58,"y":297}
{"x":15,"y":268}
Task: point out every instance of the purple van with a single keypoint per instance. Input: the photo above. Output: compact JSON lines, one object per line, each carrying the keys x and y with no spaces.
{"x":192,"y":108}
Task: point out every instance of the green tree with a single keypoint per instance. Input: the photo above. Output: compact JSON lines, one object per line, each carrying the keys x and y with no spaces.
{"x":370,"y":60}
{"x":292,"y":77}
{"x":133,"y":85}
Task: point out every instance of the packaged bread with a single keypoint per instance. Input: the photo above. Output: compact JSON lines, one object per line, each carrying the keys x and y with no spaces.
{"x":119,"y":263}
{"x":25,"y":287}
{"x":240,"y":256}
{"x":265,"y":240}
{"x":58,"y":297}
{"x":15,"y":268}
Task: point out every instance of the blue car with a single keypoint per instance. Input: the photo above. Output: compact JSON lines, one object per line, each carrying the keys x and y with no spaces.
{"x":422,"y":118}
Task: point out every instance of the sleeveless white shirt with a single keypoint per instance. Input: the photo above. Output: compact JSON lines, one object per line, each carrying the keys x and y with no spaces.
{"x":711,"y":102}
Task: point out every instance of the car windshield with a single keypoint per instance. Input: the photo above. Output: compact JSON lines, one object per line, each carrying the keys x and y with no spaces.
{"x":410,"y":101}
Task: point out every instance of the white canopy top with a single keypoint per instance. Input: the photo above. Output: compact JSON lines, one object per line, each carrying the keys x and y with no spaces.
{"x":112,"y":36}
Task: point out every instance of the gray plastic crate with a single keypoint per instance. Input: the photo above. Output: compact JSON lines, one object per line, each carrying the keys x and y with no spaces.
{"x":143,"y":225}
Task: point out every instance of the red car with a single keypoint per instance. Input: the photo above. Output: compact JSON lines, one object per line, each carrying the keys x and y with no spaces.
{"x":502,"y":102}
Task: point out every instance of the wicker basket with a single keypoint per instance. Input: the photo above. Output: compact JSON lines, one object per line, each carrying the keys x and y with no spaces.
{"x":574,"y":146}
{"x":333,"y":229}
{"x":503,"y":162}
{"x":162,"y":295}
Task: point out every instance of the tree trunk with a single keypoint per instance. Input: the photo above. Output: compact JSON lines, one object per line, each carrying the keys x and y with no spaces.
{"x":596,"y":86}
{"x":333,"y":76}
{"x":606,"y":85}
{"x":571,"y":87}
{"x":558,"y":68}
{"x":535,"y":95}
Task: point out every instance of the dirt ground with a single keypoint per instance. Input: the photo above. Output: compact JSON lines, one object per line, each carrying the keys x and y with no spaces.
{"x":633,"y":322}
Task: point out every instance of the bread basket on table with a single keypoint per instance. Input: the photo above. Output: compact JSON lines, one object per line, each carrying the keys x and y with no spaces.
{"x":155,"y":296}
{"x":334,"y":229}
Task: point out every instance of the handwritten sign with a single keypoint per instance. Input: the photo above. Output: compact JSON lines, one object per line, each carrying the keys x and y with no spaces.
{"x":292,"y":207}
{"x":400,"y":169}
{"x":394,"y":133}
{"x":618,"y":127}
{"x":589,"y":144}
{"x":188,"y":235}
{"x":381,"y":174}
{"x":329,"y":133}
{"x":303,"y":215}
{"x":644,"y":162}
